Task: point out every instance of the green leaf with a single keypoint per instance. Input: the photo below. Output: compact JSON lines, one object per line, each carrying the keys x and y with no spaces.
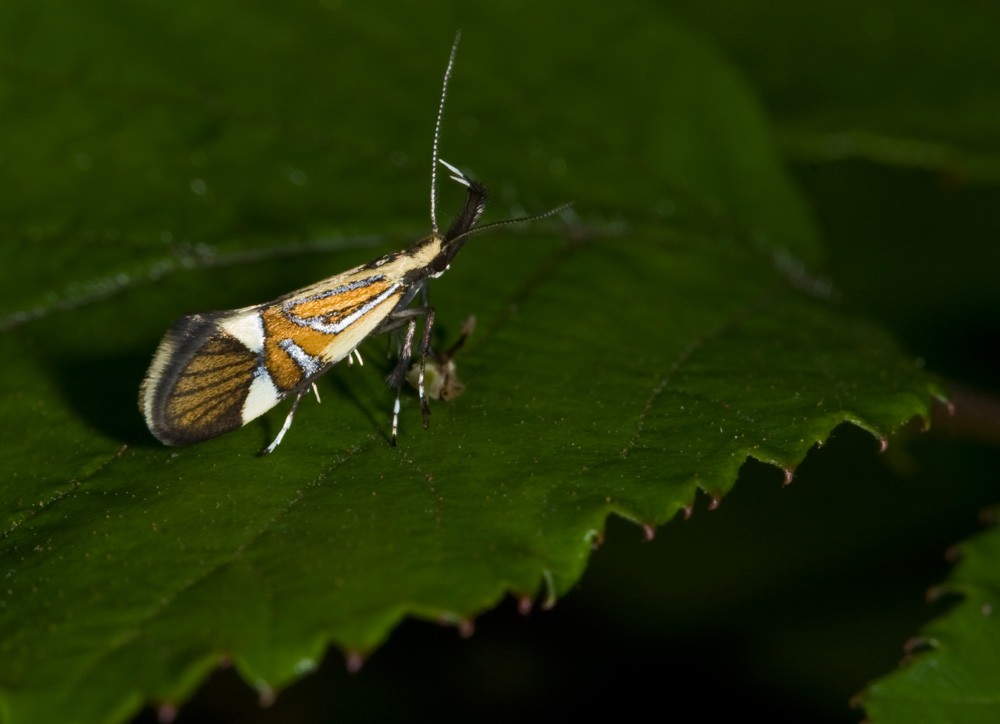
{"x":209,"y":157}
{"x":951,"y":670}
{"x":904,"y":87}
{"x":896,"y":82}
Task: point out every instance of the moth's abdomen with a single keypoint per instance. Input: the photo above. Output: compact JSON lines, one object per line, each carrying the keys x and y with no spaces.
{"x":201,"y":378}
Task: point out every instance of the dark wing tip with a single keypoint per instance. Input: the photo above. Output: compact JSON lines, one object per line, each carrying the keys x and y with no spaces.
{"x":197,"y":383}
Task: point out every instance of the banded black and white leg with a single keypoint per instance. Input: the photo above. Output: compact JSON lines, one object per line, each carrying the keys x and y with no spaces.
{"x":288,"y":422}
{"x":291,"y":414}
{"x":397,"y":377}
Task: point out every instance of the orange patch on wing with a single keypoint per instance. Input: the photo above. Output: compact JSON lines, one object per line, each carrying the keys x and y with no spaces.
{"x":337,"y":305}
{"x":277,"y":326}
{"x":285,"y":373}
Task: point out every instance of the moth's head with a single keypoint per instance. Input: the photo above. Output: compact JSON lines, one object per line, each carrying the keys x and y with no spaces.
{"x":461,"y":227}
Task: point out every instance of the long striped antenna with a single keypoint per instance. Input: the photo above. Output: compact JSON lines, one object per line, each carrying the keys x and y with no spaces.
{"x":457,"y":175}
{"x":437,"y":133}
{"x":519,"y":220}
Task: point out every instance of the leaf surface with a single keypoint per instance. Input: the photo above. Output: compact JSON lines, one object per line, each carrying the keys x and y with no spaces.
{"x":950,"y":670}
{"x":623,"y":359}
{"x":903,"y":84}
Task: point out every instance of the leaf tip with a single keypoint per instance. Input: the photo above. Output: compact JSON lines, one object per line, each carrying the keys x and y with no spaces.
{"x":550,"y":590}
{"x":466,"y":627}
{"x":935,"y":593}
{"x":166,"y":713}
{"x":917,"y":644}
{"x":265,"y":696}
{"x":353,"y":660}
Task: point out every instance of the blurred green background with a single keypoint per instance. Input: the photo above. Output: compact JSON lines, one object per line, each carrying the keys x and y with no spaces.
{"x":887,"y":116}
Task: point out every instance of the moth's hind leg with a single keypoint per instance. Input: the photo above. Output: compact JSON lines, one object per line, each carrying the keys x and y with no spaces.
{"x":425,"y":349}
{"x":287,"y":424}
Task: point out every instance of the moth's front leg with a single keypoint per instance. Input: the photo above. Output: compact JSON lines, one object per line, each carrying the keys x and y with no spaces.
{"x":397,"y":377}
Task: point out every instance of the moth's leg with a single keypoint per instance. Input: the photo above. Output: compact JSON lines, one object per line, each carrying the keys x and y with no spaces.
{"x":396,"y":320}
{"x":398,"y":374}
{"x":284,"y":428}
{"x":397,"y":377}
{"x":425,"y":346}
{"x":467,"y":329}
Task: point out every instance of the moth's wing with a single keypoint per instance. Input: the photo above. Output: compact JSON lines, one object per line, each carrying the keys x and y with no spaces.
{"x":207,"y":377}
{"x":217,"y":371}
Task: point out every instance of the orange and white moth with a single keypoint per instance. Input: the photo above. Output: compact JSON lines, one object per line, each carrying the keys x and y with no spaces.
{"x":214,"y":372}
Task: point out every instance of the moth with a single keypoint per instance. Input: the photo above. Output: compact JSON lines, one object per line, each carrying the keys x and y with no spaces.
{"x":216,"y":371}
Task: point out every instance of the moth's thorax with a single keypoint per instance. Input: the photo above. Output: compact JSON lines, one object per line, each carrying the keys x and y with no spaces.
{"x":418,"y":261}
{"x":426,"y":250}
